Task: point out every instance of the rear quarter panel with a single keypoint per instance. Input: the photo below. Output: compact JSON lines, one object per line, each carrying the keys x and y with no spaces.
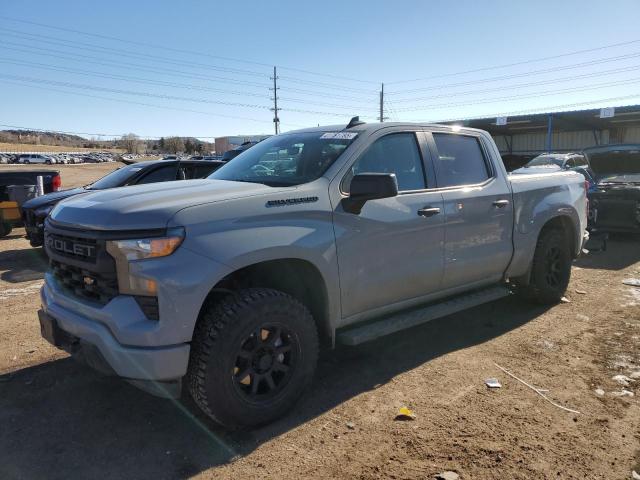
{"x":537,"y":199}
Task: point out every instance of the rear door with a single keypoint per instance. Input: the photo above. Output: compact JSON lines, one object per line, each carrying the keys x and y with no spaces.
{"x":391,"y":252}
{"x":478,"y":213}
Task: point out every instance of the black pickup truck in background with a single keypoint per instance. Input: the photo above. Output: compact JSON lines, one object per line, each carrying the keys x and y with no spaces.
{"x":9,"y":212}
{"x":50,"y":178}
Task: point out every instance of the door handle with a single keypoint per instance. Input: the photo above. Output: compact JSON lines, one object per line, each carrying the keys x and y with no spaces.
{"x":428,"y":211}
{"x":500,"y":203}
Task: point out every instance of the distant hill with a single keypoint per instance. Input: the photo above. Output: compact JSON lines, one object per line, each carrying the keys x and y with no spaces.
{"x":33,"y":137}
{"x":161,"y":145}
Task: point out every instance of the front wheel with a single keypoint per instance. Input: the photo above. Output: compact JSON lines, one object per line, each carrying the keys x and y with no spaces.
{"x":551,"y":268}
{"x":5,"y":229}
{"x":252,"y":356}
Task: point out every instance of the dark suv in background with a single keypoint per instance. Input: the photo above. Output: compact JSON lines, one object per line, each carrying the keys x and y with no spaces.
{"x":36,"y":210}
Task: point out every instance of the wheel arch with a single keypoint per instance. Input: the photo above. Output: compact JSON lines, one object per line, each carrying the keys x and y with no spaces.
{"x":563,"y":222}
{"x":297,"y":277}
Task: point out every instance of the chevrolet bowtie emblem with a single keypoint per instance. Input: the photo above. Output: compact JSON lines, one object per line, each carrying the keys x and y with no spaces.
{"x":88,"y":281}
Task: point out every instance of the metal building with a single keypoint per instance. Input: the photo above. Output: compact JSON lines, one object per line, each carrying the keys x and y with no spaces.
{"x":525,"y":136}
{"x":227,"y":143}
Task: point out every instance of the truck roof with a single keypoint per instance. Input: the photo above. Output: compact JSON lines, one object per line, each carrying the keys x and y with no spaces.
{"x":372,"y":127}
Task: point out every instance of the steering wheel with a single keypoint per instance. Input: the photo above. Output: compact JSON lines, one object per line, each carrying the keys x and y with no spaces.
{"x":261,"y":170}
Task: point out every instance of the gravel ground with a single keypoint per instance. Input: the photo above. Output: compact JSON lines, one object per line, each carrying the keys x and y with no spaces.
{"x":59,"y":419}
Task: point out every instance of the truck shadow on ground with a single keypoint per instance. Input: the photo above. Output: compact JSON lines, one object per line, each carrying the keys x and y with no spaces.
{"x":62,"y":420}
{"x":622,"y":251}
{"x":23,"y":265}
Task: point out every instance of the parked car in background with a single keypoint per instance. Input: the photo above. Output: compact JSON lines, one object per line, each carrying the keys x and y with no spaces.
{"x":614,"y":199}
{"x":36,"y":210}
{"x":234,"y":152}
{"x":562,"y":161}
{"x":36,"y":158}
{"x":345,"y":233}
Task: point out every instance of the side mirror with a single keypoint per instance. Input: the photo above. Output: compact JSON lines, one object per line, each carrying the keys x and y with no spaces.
{"x":369,"y":186}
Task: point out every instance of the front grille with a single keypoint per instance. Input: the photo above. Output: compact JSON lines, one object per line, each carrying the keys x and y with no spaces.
{"x":617,"y":213}
{"x":78,"y":248}
{"x":97,"y":287}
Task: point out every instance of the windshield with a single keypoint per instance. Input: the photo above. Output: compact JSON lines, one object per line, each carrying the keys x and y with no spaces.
{"x":545,"y":160}
{"x":116,"y":178}
{"x":287,"y":160}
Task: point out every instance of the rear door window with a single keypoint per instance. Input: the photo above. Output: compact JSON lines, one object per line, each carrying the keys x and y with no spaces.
{"x":460,"y":160}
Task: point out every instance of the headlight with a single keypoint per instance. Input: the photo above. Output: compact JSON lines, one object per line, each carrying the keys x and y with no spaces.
{"x":147,"y":247}
{"x":43,"y":211}
{"x":126,"y":251}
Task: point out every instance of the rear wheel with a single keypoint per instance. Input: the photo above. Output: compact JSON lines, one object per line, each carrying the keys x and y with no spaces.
{"x":551,"y":268}
{"x":252,"y":356}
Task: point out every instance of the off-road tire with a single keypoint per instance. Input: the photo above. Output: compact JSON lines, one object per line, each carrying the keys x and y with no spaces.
{"x":223,"y":331}
{"x":550,"y":269}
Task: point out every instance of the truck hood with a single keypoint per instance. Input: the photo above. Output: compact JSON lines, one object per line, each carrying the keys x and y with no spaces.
{"x":51,"y":198}
{"x":149,"y":206}
{"x":614,"y":160}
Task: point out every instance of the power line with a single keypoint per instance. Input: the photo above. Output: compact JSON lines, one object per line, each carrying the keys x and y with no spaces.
{"x":182,"y":51}
{"x":128,"y":78}
{"x":529,"y":95}
{"x":523,"y":85}
{"x":518,"y":75}
{"x":69,"y":85}
{"x":130,"y":102}
{"x":124,"y":53}
{"x":514,"y":64}
{"x":129,"y":92}
{"x":91,"y":59}
{"x":133,"y":66}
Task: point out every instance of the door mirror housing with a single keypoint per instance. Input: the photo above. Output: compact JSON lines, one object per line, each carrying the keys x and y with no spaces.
{"x":369,"y":186}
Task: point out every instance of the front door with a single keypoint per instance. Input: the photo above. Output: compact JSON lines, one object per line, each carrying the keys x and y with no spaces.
{"x":393,"y":250}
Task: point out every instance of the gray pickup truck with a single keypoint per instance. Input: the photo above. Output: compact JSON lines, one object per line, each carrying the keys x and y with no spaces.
{"x":335,"y":234}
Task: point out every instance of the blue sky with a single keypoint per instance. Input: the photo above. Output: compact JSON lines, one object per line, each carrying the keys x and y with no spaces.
{"x":54,"y":78}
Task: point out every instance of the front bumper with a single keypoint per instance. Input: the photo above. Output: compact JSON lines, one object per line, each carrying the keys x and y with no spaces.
{"x":133,"y":346}
{"x":132,"y":362}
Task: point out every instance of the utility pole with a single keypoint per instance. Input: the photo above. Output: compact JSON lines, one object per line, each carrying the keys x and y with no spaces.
{"x":382,"y":118}
{"x":276,"y":120}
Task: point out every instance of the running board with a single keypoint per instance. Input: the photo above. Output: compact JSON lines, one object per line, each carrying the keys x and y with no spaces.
{"x":407,"y":319}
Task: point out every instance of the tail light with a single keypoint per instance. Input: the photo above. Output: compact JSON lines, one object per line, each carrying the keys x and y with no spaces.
{"x":57,"y":182}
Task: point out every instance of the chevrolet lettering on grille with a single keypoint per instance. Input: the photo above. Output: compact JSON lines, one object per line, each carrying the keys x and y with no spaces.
{"x":70,"y":247}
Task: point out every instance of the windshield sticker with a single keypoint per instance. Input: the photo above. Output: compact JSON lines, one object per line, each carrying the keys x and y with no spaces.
{"x":339,"y":135}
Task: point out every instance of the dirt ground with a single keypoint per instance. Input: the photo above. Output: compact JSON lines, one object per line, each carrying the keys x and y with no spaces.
{"x":61,"y":420}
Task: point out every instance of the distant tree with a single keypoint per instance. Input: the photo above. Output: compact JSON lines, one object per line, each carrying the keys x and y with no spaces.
{"x":174,"y":145}
{"x":189,"y":146}
{"x":162,"y":146}
{"x":131,"y":143}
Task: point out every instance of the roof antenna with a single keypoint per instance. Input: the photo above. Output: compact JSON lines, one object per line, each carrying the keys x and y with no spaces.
{"x":354,"y":122}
